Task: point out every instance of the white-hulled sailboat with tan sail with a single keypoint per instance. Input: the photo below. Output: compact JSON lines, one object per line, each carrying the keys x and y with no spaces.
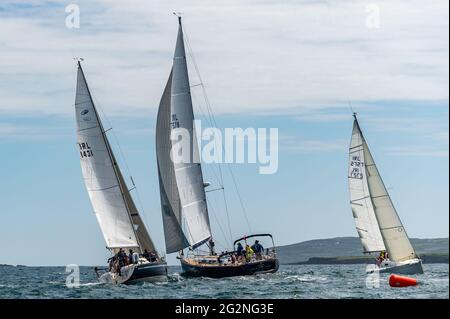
{"x":117,"y":215}
{"x":377,"y":222}
{"x":182,"y":189}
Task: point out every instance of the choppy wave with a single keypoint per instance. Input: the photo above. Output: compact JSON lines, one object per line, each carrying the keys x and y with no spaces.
{"x":302,"y":281}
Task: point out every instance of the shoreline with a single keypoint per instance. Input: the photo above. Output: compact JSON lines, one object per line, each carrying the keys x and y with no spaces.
{"x":353,"y":260}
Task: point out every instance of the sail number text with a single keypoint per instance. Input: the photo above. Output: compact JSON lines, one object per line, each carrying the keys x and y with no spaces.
{"x":85,"y":150}
{"x":356,"y":167}
{"x":174,"y":123}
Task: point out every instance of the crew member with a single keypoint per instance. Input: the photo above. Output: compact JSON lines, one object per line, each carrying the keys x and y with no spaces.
{"x":258,"y":249}
{"x":248,"y":253}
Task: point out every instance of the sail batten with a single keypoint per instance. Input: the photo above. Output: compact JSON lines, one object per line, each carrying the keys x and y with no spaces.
{"x":183,"y":198}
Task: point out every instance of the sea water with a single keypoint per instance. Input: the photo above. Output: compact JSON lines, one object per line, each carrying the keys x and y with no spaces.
{"x":291,"y":281}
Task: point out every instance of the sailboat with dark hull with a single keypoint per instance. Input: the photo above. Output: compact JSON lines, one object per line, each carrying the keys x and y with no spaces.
{"x":214,"y":267}
{"x":377,"y":222}
{"x":182,"y":188}
{"x":114,"y":208}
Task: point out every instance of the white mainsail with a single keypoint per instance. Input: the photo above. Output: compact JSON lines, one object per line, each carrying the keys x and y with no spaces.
{"x":170,"y":199}
{"x":183,"y":198}
{"x":112,"y":204}
{"x":361,"y":203}
{"x":380,"y":209}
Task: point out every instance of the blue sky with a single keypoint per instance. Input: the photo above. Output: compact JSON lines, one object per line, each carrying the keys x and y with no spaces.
{"x":293,"y":66}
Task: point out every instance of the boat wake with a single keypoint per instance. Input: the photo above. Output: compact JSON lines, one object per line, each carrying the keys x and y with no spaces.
{"x":305,"y":278}
{"x":175,"y":277}
{"x":89,"y":284}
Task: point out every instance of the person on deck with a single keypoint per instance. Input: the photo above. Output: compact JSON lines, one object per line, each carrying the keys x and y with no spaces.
{"x":121,"y":256}
{"x":258,"y":249}
{"x":146,"y":254}
{"x":248,"y":253}
{"x":239,"y":252}
{"x":381,"y":257}
{"x":135,"y":258}
{"x":239,"y":249}
{"x":131,"y":258}
{"x":111,"y":262}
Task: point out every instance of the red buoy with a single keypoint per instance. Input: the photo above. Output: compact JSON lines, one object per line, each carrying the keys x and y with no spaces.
{"x":400,"y":281}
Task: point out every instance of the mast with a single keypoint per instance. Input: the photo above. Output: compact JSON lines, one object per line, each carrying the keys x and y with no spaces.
{"x":110,"y":156}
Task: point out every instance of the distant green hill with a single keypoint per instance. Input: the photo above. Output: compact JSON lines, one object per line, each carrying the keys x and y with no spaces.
{"x":433,"y":250}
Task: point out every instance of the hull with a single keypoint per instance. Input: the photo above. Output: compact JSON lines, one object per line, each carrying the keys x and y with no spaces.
{"x":132,"y":274}
{"x":409,"y":267}
{"x":219,"y":271}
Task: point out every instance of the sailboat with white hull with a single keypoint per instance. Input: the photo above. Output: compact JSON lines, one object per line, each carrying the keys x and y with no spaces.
{"x":182,"y":189}
{"x":113,"y":205}
{"x":377,"y":222}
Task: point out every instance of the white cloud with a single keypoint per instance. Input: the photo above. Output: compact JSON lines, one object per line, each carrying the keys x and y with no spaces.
{"x":421,"y":126}
{"x":254,"y":56}
{"x":323,"y":117}
{"x":300,"y":145}
{"x":26,"y":132}
{"x":417,"y":150}
{"x":441,"y":136}
{"x":429,"y":135}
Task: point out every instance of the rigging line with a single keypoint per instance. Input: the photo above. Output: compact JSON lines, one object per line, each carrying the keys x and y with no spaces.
{"x":210,"y":167}
{"x":219,"y":179}
{"x":205,"y":96}
{"x":194,"y":62}
{"x":218,"y":222}
{"x":350,"y":106}
{"x":228,"y":218}
{"x":239,"y":197}
{"x":212,"y":118}
{"x":228,"y":214}
{"x":216,"y":201}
